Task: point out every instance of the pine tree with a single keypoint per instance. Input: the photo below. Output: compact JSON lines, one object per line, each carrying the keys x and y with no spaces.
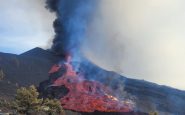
{"x":27,"y":102}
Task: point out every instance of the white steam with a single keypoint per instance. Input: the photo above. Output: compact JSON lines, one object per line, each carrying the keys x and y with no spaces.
{"x":142,"y":39}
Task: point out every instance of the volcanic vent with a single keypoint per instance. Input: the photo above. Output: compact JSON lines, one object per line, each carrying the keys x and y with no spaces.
{"x":80,"y":94}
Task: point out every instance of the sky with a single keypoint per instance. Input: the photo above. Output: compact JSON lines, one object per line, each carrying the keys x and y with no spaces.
{"x":141,"y":39}
{"x":24,"y":24}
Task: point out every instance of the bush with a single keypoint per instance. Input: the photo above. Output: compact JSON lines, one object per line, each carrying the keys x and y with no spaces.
{"x":27,"y":102}
{"x":4,"y":103}
{"x":52,"y":107}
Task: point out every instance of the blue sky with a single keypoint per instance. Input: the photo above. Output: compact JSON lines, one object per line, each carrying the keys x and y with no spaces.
{"x":24,"y":24}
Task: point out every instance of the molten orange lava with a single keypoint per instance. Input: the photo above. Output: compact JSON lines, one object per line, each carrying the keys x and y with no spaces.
{"x":54,"y":69}
{"x":87,"y":96}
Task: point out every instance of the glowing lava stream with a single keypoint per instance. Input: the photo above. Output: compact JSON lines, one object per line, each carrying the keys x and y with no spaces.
{"x":85,"y":95}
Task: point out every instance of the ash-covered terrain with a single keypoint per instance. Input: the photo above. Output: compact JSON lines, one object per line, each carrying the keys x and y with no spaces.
{"x":32,"y":68}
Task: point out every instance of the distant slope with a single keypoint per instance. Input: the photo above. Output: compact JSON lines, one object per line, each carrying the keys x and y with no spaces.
{"x":42,"y":54}
{"x":150,"y":96}
{"x":28,"y":68}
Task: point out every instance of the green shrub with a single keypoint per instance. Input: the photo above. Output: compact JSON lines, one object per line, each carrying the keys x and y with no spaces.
{"x":4,"y":103}
{"x":27,"y":102}
{"x":52,"y":107}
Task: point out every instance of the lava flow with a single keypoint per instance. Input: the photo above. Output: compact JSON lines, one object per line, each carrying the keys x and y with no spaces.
{"x":85,"y":95}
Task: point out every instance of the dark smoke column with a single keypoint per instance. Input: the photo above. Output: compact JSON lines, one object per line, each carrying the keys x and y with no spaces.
{"x":72,"y":20}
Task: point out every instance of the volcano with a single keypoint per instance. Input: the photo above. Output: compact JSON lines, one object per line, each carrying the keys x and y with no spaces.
{"x":32,"y":67}
{"x":85,"y":95}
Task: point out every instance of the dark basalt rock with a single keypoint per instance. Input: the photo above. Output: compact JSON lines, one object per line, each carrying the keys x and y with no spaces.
{"x":56,"y":91}
{"x":48,"y":91}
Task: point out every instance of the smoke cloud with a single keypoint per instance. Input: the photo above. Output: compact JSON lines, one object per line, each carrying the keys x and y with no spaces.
{"x":139,"y":39}
{"x":72,"y":19}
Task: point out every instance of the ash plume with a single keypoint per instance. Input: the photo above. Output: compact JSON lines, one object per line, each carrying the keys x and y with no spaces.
{"x":71,"y":23}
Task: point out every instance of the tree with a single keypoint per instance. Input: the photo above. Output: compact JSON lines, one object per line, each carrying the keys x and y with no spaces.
{"x":27,"y":102}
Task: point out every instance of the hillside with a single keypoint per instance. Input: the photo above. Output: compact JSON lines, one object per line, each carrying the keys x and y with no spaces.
{"x":32,"y":68}
{"x":28,"y":68}
{"x":23,"y":70}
